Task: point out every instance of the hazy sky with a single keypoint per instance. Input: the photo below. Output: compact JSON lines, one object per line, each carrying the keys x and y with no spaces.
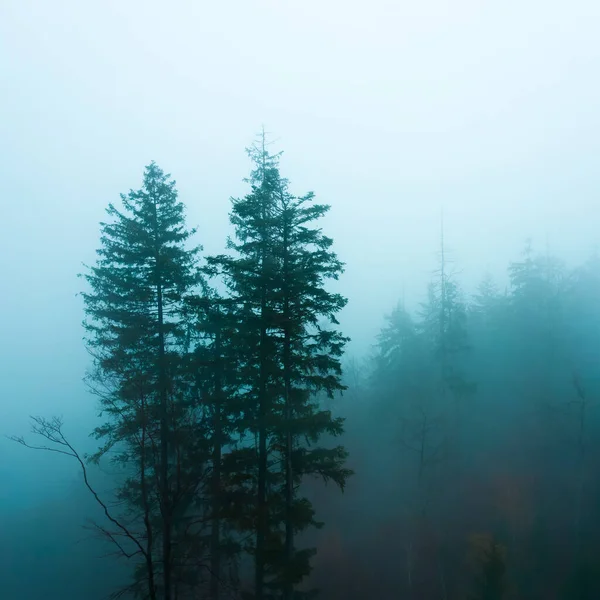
{"x":386,"y":109}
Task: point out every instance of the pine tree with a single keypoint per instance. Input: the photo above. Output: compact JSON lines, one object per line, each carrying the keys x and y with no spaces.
{"x":488,"y":304}
{"x":287,"y":357}
{"x":310,"y":365}
{"x":137,"y":334}
{"x":444,"y":334}
{"x":249,"y":276}
{"x":537,"y":291}
{"x":215,"y":361}
{"x":431,"y":415}
{"x":444,"y":328}
{"x":396,"y":344}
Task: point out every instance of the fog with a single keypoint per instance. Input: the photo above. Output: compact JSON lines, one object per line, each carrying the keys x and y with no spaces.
{"x":394,"y":113}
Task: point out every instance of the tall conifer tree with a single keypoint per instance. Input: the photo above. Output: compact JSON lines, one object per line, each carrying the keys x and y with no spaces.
{"x":137,"y":335}
{"x":310,"y":365}
{"x":214,"y":361}
{"x":287,"y":356}
{"x":249,"y":275}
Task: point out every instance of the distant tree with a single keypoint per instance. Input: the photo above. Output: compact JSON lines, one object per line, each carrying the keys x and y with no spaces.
{"x":490,"y":560}
{"x":538,"y":284}
{"x":443,"y":327}
{"x":398,"y":344}
{"x":420,"y":368}
{"x":354,"y":378}
{"x":580,"y":303}
{"x":444,"y":331}
{"x":403,"y":370}
{"x":488,"y":304}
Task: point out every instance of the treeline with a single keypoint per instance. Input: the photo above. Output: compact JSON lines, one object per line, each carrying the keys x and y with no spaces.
{"x":477,"y":431}
{"x":209,"y":372}
{"x":473,"y":426}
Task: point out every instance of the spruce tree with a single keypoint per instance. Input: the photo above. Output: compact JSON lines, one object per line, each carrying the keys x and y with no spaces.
{"x":287,"y":355}
{"x":249,"y":276}
{"x":444,"y":329}
{"x":397,"y":353}
{"x":488,"y":314}
{"x":214,"y":361}
{"x":310,"y":365}
{"x":137,"y":334}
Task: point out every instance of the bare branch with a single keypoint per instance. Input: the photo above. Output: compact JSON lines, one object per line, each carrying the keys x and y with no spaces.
{"x":51,"y":430}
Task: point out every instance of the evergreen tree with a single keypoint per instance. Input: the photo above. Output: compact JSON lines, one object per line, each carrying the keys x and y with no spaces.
{"x":396,"y":344}
{"x":137,"y":334}
{"x":428,"y":362}
{"x":287,"y":358}
{"x":310,"y":365}
{"x":538,"y":285}
{"x":215,"y":361}
{"x":443,"y":328}
{"x":538,"y":348}
{"x":487,"y":304}
{"x":250,"y":276}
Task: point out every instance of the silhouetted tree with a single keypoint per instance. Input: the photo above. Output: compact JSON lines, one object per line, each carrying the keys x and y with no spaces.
{"x":249,"y":276}
{"x":310,"y":364}
{"x":137,"y":335}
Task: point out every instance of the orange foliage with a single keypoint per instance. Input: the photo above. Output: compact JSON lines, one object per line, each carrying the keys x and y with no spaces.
{"x":481,"y":545}
{"x":513,"y":500}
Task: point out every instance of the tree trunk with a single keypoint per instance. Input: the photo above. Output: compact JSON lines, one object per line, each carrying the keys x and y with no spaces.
{"x":288,"y":589}
{"x":164,"y":421}
{"x":164,"y":450}
{"x":147,"y":524}
{"x":262,"y":521}
{"x":215,"y":555}
{"x":261,"y":530}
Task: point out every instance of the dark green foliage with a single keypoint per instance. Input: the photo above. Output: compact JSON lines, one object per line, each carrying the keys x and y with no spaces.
{"x":310,"y":363}
{"x":137,"y":333}
{"x":288,"y":354}
{"x":214,"y":359}
{"x":249,"y":276}
{"x":215,"y":409}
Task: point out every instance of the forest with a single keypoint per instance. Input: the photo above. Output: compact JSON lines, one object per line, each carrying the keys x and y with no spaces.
{"x":252,"y":458}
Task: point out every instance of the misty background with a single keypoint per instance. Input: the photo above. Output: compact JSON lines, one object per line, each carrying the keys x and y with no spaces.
{"x":389,"y":111}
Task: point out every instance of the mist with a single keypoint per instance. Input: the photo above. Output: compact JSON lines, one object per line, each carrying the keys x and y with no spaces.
{"x":464,"y":126}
